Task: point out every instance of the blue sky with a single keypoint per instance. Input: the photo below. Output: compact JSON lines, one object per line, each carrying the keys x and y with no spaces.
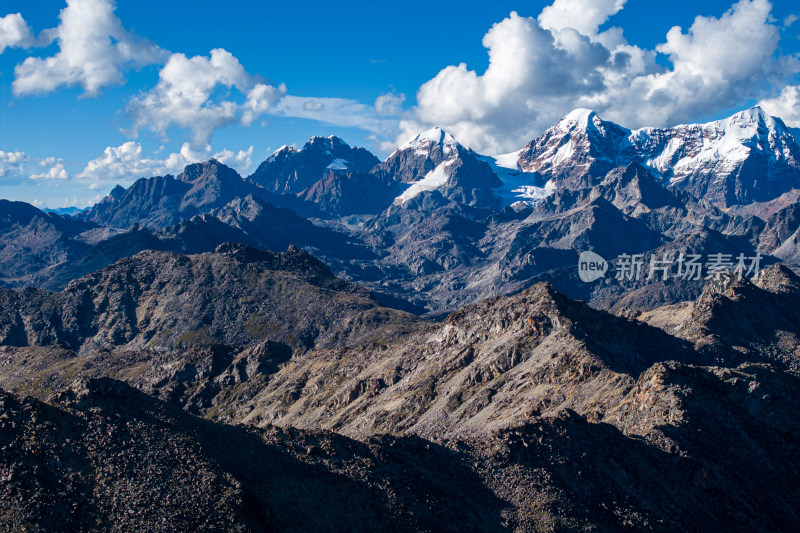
{"x":372,"y":74}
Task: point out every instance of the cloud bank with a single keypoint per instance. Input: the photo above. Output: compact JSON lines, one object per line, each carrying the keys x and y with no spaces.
{"x":127,"y":162}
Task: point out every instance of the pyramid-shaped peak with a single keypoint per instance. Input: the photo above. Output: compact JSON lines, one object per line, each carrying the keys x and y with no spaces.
{"x":434,"y":135}
{"x":579,"y":118}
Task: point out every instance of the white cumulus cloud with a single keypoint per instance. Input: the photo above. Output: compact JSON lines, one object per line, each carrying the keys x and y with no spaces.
{"x":389,"y":104}
{"x":54,"y":170}
{"x":15,"y":32}
{"x":584,"y":16}
{"x":94,"y":50}
{"x":11,"y":163}
{"x":183,"y":96}
{"x":127,"y":162}
{"x":786,"y":105}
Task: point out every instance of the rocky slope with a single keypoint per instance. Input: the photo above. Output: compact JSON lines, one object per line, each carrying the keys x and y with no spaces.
{"x":540,"y":414}
{"x":31,"y":241}
{"x":235,"y":296}
{"x":106,"y":457}
{"x":737,"y":319}
{"x":435,"y":162}
{"x":292,"y":171}
{"x":249,"y":220}
{"x":325,"y":177}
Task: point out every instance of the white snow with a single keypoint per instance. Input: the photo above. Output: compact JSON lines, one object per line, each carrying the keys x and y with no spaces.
{"x":564,"y":153}
{"x":281,"y":149}
{"x":716,"y":148}
{"x":534,"y":194}
{"x":508,"y":161}
{"x":576,"y":117}
{"x":338,"y":164}
{"x":421,"y":144}
{"x":431,"y":181}
{"x":518,"y":186}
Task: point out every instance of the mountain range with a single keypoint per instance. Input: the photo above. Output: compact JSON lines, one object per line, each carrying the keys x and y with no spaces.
{"x":341,"y":343}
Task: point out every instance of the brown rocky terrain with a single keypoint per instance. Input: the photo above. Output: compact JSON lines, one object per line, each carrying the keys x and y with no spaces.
{"x":525,"y":412}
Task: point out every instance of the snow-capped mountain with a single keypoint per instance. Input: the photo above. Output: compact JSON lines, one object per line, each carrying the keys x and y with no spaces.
{"x":435,"y":161}
{"x":747,"y":157}
{"x":421,"y":155}
{"x":292,"y":171}
{"x":579,"y":144}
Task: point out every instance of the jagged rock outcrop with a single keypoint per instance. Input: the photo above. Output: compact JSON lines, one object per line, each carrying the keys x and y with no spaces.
{"x":738,"y":319}
{"x":292,"y":171}
{"x":164,"y":201}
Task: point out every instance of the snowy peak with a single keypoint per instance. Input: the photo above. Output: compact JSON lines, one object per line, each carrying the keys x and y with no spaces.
{"x":434,"y":136}
{"x":330,"y":144}
{"x":422,"y":154}
{"x":580,"y":118}
{"x":435,"y":161}
{"x":749,"y":156}
{"x":581,"y":143}
{"x":587,"y":122}
{"x":750,"y":125}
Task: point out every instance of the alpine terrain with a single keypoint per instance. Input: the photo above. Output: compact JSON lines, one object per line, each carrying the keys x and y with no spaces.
{"x":597,"y":332}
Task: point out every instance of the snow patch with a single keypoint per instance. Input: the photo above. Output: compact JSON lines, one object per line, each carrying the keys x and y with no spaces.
{"x":431,"y":181}
{"x":338,"y":164}
{"x":518,"y":185}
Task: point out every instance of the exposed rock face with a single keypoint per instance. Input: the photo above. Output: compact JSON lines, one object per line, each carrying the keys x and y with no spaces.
{"x":435,"y":161}
{"x":661,"y":444}
{"x":438,"y":225}
{"x":249,"y":220}
{"x":166,"y":200}
{"x":580,"y":144}
{"x":741,"y":320}
{"x":411,"y":161}
{"x":105,"y":456}
{"x":657,"y":404}
{"x":325,"y":177}
{"x":345,"y":193}
{"x":472,"y":373}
